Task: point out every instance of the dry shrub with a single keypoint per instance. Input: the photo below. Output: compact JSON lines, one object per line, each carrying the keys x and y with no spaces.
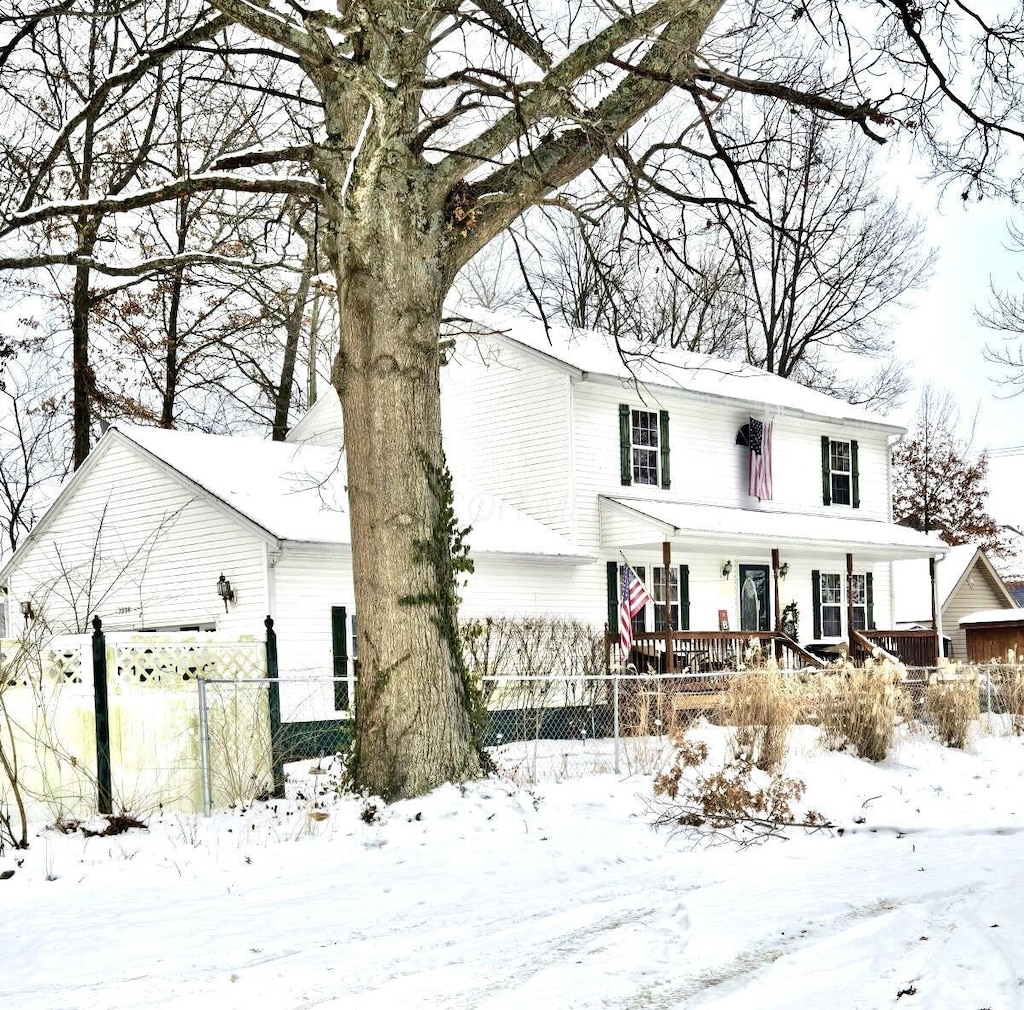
{"x":736,"y":803}
{"x":1009,"y":684}
{"x":859,"y":708}
{"x":951,"y":703}
{"x":762,"y":705}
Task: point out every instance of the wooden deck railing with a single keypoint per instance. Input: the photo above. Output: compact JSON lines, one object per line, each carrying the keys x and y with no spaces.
{"x":704,"y":651}
{"x":912,"y":648}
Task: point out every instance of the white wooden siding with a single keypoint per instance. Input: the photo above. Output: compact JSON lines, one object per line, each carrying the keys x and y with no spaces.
{"x":507,"y":427}
{"x":141,"y":550}
{"x":710,"y":592}
{"x":706,"y":464}
{"x":977,"y":592}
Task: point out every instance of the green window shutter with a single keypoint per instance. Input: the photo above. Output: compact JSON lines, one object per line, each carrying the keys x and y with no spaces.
{"x":666,"y":481}
{"x":684,"y":597}
{"x":339,"y":648}
{"x":625,"y":455}
{"x":816,"y":601}
{"x":869,"y":597}
{"x":854,"y":476}
{"x":613,"y":598}
{"x":826,"y":472}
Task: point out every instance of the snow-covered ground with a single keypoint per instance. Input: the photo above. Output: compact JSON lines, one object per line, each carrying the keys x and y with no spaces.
{"x":558,"y":895}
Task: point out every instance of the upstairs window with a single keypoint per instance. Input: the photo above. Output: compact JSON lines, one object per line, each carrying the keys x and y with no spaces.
{"x":840,"y":480}
{"x":643,"y":446}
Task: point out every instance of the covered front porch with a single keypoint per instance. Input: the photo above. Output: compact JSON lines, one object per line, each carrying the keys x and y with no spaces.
{"x":805,"y":589}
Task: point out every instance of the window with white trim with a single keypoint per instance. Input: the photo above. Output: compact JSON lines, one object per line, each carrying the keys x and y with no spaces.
{"x":659,"y":597}
{"x":859,"y":592}
{"x":831,"y":605}
{"x":841,"y":472}
{"x":644,"y":430}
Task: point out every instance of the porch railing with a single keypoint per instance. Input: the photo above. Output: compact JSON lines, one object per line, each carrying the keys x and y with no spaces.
{"x":704,"y":651}
{"x":912,"y":647}
{"x":707,"y":651}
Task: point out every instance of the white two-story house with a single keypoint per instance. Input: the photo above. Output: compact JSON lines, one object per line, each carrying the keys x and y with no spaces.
{"x":569,"y":461}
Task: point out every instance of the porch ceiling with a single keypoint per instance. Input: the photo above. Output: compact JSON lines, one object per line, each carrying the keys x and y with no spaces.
{"x":642,"y":524}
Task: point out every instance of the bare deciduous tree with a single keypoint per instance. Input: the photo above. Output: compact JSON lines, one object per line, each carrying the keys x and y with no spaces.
{"x":440,"y":124}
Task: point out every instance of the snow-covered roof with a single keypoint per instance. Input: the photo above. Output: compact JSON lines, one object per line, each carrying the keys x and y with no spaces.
{"x":1014,"y":615}
{"x":297,"y":491}
{"x":594,"y":354}
{"x":864,"y":538}
{"x":912,"y":585}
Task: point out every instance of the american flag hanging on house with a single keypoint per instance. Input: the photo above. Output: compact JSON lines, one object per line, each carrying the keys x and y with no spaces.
{"x":760,"y":474}
{"x":632,"y":599}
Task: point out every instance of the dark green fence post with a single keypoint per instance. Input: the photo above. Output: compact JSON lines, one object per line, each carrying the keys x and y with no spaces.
{"x":276,"y":739}
{"x":99,"y":683}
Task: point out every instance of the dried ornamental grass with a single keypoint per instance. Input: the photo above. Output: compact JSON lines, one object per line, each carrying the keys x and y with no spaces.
{"x":762,"y":705}
{"x":860,"y":707}
{"x":951,"y":703}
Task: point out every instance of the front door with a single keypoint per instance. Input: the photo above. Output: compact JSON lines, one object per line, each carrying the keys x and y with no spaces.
{"x":754,"y":598}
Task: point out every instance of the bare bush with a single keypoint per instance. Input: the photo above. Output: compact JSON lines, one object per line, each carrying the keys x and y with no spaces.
{"x":859,"y":708}
{"x":951,"y":704}
{"x":736,"y":803}
{"x":762,"y":704}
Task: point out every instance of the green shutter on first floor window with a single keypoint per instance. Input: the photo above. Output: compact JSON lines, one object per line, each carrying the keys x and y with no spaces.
{"x":684,"y":598}
{"x":339,"y":649}
{"x":625,"y":453}
{"x":666,"y":481}
{"x":826,"y":471}
{"x":613,"y":597}
{"x":816,"y":601}
{"x":869,"y":599}
{"x":854,"y":476}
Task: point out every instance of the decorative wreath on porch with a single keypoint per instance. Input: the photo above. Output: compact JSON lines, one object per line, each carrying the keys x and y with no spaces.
{"x":790,"y":620}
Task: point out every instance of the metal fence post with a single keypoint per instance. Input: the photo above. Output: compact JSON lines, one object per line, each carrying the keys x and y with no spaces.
{"x":276,"y":757}
{"x":204,"y":749}
{"x":615,"y":722}
{"x":101,"y":709}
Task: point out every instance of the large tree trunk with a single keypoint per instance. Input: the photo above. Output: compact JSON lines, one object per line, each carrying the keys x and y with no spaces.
{"x":413,"y":723}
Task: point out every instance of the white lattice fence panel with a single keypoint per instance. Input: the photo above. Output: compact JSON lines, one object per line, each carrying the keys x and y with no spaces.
{"x":29,"y":664}
{"x":170,"y":664}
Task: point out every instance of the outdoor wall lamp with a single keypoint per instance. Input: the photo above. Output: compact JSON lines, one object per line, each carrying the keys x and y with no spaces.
{"x":727,"y":569}
{"x":225,"y":592}
{"x":27,"y":610}
{"x":784,"y":570}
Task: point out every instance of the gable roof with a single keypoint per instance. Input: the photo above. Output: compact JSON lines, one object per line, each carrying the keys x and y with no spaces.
{"x":913,"y":587}
{"x":594,"y":355}
{"x":296,"y":492}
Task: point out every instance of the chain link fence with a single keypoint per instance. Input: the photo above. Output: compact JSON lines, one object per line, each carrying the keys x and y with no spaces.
{"x":552,"y":728}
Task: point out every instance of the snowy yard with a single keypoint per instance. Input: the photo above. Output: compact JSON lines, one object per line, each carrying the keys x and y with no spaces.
{"x":558,"y":895}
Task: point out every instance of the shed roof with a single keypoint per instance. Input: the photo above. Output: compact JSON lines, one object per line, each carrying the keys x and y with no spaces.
{"x":1011,"y":615}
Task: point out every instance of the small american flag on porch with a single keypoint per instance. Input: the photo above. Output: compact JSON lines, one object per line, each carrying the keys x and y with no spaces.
{"x":632,"y":599}
{"x":760,"y":473}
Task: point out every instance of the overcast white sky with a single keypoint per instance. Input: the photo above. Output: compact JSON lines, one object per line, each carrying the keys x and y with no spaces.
{"x":939,"y":335}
